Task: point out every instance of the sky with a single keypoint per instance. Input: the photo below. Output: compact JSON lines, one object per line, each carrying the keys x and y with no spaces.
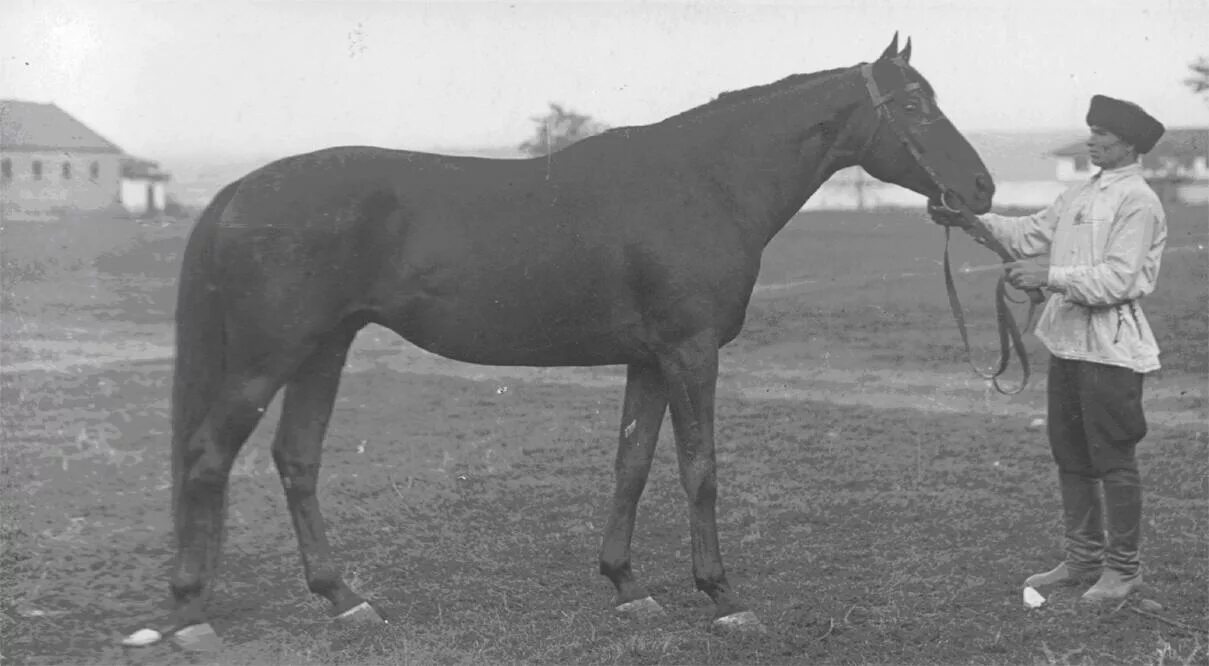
{"x":170,"y":78}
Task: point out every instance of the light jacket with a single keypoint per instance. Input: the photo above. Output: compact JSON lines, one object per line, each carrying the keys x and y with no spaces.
{"x":1105,"y":241}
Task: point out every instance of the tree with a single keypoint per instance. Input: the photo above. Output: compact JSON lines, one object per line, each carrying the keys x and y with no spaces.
{"x":1199,"y":81}
{"x":558,"y":129}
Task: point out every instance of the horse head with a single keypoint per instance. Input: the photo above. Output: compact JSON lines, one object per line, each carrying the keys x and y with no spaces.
{"x":910,"y":142}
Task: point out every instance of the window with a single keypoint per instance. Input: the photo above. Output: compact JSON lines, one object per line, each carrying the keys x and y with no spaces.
{"x":67,"y":171}
{"x":36,"y":168}
{"x":6,"y":169}
{"x":94,"y":170}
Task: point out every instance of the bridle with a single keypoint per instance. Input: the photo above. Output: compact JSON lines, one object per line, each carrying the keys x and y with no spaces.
{"x":1009,"y":333}
{"x":881,"y":103}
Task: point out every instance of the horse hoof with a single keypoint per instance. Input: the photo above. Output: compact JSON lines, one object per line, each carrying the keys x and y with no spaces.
{"x":640,"y":609}
{"x":362,"y":613}
{"x":742,"y":622}
{"x":198,"y":638}
{"x":143,"y":638}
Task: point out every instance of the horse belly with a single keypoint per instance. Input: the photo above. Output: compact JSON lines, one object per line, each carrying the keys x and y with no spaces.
{"x":528,"y":331}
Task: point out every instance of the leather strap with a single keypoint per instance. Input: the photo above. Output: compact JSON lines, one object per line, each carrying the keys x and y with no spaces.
{"x":1009,"y":333}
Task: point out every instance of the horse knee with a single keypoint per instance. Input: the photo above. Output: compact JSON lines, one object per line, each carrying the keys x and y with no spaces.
{"x":700,"y":481}
{"x":208,"y":472}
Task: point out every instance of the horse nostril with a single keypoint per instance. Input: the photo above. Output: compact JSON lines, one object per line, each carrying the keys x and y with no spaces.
{"x":982,"y":183}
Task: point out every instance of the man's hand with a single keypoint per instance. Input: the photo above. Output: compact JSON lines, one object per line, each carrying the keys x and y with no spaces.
{"x":944,"y":216}
{"x":1029,"y":273}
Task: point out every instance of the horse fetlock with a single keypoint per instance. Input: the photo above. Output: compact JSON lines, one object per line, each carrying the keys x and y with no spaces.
{"x":186,"y":586}
{"x":615,"y":569}
{"x":711,"y":581}
{"x":324,"y":582}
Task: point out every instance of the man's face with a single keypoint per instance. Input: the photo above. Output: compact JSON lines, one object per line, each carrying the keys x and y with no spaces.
{"x":1107,"y":151}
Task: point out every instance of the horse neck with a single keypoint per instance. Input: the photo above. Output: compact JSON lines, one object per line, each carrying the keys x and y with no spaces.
{"x":774,"y":151}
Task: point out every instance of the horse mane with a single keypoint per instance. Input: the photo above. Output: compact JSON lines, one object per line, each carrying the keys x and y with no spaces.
{"x":732,"y":97}
{"x":729,"y":98}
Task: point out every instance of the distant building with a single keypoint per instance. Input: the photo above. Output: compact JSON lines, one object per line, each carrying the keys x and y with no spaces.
{"x":1177,"y":166}
{"x":141,"y":189}
{"x":51,"y":162}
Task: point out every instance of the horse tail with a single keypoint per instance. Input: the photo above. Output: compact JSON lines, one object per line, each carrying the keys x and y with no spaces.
{"x":200,"y":336}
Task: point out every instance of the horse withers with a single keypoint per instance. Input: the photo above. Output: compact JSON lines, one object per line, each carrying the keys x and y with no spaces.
{"x":639,"y":246}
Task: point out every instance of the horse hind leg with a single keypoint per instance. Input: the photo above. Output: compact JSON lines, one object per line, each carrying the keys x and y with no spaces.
{"x":310,"y":395}
{"x":642,"y":415}
{"x":200,"y":507}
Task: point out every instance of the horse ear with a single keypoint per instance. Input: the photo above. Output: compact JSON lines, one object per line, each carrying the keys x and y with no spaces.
{"x":891,"y":50}
{"x":906,"y":54}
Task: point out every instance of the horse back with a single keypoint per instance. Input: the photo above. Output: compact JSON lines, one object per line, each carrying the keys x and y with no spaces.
{"x":534,"y":262}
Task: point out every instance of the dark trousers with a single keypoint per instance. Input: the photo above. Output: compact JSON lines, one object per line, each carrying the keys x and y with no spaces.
{"x":1095,"y":422}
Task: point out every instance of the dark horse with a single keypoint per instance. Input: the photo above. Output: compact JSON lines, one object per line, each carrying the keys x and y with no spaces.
{"x":639,"y":246}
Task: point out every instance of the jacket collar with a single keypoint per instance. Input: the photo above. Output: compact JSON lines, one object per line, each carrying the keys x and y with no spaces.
{"x":1107,"y":177}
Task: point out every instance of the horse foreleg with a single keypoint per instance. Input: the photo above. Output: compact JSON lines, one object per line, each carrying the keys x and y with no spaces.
{"x":691,"y":373}
{"x":306,"y":410}
{"x":641,"y":417}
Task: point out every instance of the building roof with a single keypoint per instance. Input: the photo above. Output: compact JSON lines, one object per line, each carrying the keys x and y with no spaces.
{"x":136,"y":168}
{"x":35,"y":126}
{"x":1183,"y":143}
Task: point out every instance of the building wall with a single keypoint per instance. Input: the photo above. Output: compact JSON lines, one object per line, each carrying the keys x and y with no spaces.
{"x":137,"y":195}
{"x":88,"y":182}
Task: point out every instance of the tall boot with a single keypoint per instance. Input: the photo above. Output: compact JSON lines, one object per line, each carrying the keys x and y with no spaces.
{"x":1084,"y":535}
{"x":1123,"y":569}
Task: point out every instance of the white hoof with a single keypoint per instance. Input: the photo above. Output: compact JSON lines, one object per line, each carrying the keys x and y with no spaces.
{"x":645,"y":607}
{"x":198,"y":638}
{"x":143,"y":638}
{"x":362,"y":613}
{"x":745,"y":621}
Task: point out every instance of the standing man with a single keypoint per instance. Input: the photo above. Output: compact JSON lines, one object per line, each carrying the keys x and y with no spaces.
{"x":1104,"y":239}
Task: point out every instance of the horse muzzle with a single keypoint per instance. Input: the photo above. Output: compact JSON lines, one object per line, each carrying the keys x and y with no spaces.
{"x":980,"y":201}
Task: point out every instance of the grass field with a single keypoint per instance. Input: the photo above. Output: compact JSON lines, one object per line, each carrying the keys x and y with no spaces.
{"x":877,"y":505}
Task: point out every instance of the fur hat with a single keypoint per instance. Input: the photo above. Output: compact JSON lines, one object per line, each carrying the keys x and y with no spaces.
{"x":1127,"y":120}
